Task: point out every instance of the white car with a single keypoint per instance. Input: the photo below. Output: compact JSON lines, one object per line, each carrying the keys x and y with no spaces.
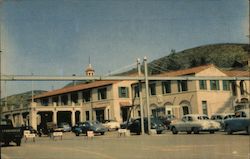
{"x":194,"y":123}
{"x":222,"y":117}
{"x":111,"y":124}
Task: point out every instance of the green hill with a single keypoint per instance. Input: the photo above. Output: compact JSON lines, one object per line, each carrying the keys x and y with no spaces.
{"x":22,"y":98}
{"x":227,"y":56}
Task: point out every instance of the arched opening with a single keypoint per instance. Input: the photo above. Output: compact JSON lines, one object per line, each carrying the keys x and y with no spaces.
{"x":168,"y":108}
{"x":186,"y":107}
{"x":64,"y":117}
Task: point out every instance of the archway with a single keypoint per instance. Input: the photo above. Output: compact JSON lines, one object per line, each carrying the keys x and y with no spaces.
{"x":186,"y":107}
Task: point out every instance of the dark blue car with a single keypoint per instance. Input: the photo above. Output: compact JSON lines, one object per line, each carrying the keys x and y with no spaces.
{"x":84,"y":127}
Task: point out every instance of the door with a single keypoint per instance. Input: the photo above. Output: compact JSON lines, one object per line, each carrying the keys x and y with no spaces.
{"x":100,"y":115}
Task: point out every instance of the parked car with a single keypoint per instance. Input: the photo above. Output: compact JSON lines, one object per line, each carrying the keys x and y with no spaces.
{"x":241,"y":122}
{"x":111,"y":124}
{"x":30,"y":128}
{"x":135,"y":126}
{"x":83,"y":127}
{"x":194,"y":123}
{"x":65,"y":127}
{"x":8,"y":133}
{"x":166,"y":120}
{"x":46,"y":128}
{"x":126,"y":124}
{"x":222,"y":117}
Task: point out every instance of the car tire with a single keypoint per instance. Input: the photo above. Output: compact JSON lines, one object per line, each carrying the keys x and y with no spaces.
{"x":6,"y":143}
{"x":77,"y":134}
{"x":174,"y":130}
{"x":211,"y":132}
{"x":159,"y":132}
{"x":228,"y":130}
{"x":102,"y":133}
{"x":189,"y":132}
{"x":248,"y":130}
{"x":196,"y":130}
{"x":18,"y":143}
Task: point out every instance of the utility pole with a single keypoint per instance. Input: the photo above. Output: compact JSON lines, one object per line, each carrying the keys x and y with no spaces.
{"x":32,"y":91}
{"x":147,"y":93}
{"x":140,"y":97}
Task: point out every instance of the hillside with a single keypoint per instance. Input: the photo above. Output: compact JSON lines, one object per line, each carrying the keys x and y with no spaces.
{"x":227,"y":56}
{"x":23,"y":98}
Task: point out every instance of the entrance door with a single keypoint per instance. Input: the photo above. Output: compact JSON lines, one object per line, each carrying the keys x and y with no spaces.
{"x":125,"y":111}
{"x":100,"y":115}
{"x":185,"y":110}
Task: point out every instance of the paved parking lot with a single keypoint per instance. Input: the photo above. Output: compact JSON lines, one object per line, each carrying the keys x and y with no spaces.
{"x":110,"y":146}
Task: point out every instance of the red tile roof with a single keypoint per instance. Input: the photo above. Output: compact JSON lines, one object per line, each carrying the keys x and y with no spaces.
{"x":235,"y":73}
{"x":76,"y":88}
{"x":189,"y":71}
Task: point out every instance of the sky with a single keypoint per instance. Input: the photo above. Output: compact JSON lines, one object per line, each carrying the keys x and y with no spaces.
{"x":57,"y":37}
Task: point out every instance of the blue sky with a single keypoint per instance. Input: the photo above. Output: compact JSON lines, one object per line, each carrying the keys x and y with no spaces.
{"x":56,"y":37}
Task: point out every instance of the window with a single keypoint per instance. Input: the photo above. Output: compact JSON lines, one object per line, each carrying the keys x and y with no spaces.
{"x":123,"y":92}
{"x":185,"y":110}
{"x":152,"y":89}
{"x":45,"y":101}
{"x":86,"y":96}
{"x":226,"y":85}
{"x":242,"y":88}
{"x":204,"y":107}
{"x":234,"y":89}
{"x":74,"y":97}
{"x":190,"y":118}
{"x":136,"y":91}
{"x":214,"y":85}
{"x":182,"y":86}
{"x":203,"y":84}
{"x":64,"y":99}
{"x":166,"y":87}
{"x":102,"y":93}
{"x":87,"y":115}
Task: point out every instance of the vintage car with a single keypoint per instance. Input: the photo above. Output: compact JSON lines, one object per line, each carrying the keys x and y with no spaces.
{"x":64,"y":127}
{"x":241,"y":122}
{"x":84,"y":127}
{"x":194,"y":123}
{"x":156,"y":124}
{"x":9,"y":133}
{"x":111,"y":124}
{"x":222,"y":117}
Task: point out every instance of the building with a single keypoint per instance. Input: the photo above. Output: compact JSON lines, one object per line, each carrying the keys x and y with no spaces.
{"x":180,"y":97}
{"x":117,"y":99}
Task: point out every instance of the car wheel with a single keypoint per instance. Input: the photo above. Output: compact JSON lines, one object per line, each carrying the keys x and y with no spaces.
{"x":77,"y":133}
{"x":211,"y":132}
{"x":102,"y":133}
{"x":189,"y":132}
{"x":228,"y":130}
{"x":174,"y":130}
{"x":248,"y":130}
{"x":18,"y":143}
{"x":196,"y":130}
{"x":159,"y":132}
{"x":7,"y":143}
